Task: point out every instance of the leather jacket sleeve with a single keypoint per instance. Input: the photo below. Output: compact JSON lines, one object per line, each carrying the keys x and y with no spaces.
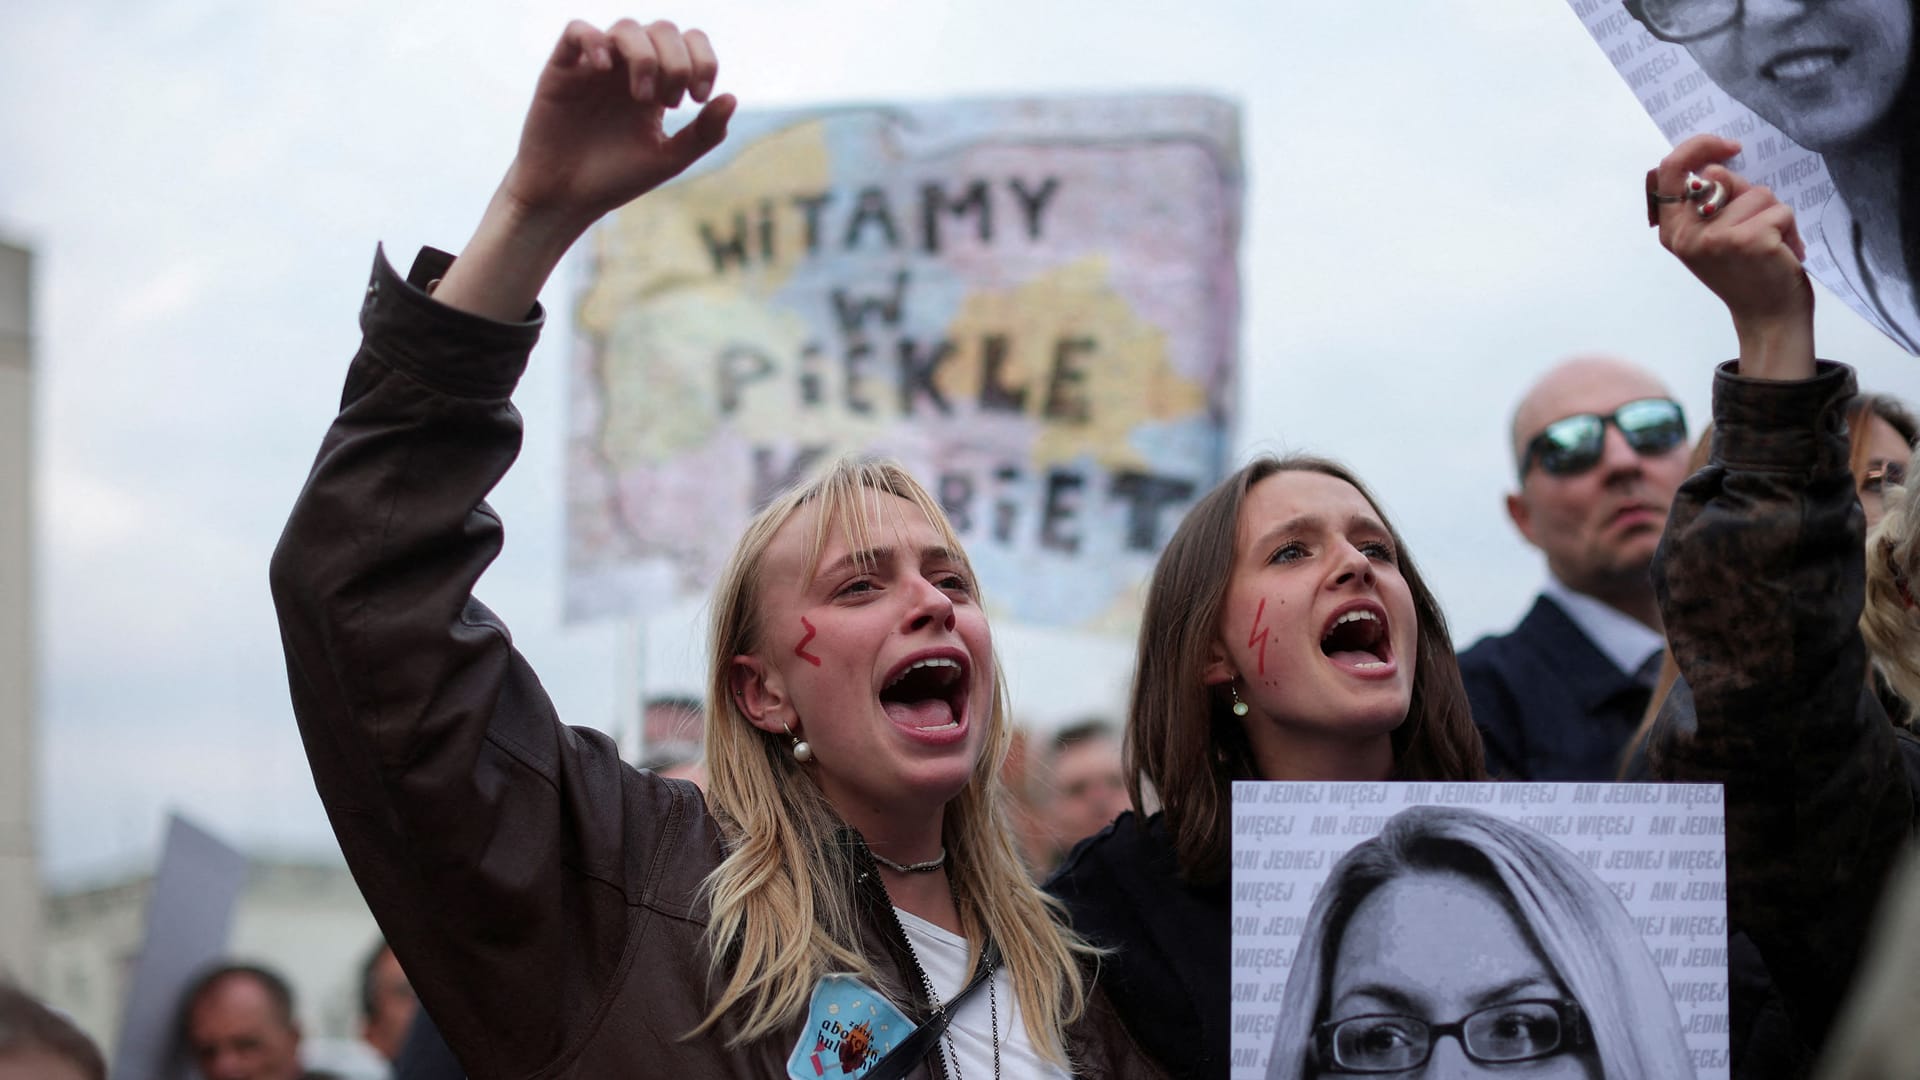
{"x":489,"y":839}
{"x":1760,"y":579}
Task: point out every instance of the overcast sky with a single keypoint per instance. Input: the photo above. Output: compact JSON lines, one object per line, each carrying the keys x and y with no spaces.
{"x":1443,"y":199}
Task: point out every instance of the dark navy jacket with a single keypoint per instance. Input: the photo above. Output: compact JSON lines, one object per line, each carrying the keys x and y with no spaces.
{"x":1549,"y":704}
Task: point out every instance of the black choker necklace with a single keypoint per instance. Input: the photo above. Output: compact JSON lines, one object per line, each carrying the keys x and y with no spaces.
{"x":934,"y":863}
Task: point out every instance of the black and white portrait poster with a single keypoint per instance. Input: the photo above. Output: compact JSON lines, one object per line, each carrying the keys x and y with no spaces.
{"x":1566,"y":929}
{"x":1822,"y":98}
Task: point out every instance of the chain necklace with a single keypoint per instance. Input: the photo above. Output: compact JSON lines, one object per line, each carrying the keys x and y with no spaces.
{"x":993,"y":1010}
{"x":934,"y":863}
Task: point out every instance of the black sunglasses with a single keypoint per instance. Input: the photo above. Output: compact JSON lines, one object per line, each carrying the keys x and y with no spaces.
{"x":1572,"y":445}
{"x":1681,"y":21}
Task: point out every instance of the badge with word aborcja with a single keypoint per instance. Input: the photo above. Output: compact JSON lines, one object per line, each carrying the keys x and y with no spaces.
{"x":849,"y":1026}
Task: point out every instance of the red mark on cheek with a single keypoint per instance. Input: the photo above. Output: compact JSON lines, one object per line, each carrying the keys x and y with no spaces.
{"x":800,"y":650}
{"x":1258,"y":638}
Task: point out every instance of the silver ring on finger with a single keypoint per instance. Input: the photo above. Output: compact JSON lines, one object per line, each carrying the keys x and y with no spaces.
{"x":1711,"y":201}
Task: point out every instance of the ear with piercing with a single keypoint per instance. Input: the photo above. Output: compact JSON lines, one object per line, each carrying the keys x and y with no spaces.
{"x":802,"y":750}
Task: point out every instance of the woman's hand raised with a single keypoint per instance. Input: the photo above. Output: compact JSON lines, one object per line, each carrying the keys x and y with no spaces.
{"x":594,"y":139}
{"x":595,"y":136}
{"x":1745,"y":247}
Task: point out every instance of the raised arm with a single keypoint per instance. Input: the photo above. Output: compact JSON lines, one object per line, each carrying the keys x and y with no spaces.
{"x":1760,"y":579}
{"x":515,"y":864}
{"x":594,"y":140}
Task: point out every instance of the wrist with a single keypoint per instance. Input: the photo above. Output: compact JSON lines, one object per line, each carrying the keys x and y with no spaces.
{"x":535,"y":226}
{"x":513,"y":251}
{"x":1776,"y":348}
{"x":1777,"y":343}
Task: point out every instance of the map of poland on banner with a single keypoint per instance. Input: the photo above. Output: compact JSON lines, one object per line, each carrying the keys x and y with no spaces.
{"x":1032,"y":304}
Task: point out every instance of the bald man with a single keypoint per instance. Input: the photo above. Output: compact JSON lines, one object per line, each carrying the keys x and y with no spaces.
{"x":1599,"y":448}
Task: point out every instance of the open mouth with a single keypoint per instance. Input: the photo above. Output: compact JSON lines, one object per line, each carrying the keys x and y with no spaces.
{"x":1798,"y":64}
{"x":1357,"y":638}
{"x":927,"y":692}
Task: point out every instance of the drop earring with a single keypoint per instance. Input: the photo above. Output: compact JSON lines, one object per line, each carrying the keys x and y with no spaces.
{"x":802,"y":750}
{"x":1239,"y":707}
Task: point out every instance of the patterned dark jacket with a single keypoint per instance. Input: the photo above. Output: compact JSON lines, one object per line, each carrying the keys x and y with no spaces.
{"x":1761,"y":578}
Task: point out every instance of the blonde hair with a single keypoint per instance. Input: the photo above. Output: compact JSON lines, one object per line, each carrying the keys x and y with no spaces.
{"x":783,"y":898}
{"x":1890,"y":625}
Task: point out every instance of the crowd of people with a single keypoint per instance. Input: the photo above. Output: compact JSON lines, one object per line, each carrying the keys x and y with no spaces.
{"x":861,"y":866}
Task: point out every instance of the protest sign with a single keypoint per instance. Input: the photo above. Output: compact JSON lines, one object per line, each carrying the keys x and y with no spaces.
{"x":189,"y":916}
{"x":1821,"y":101}
{"x":1030,"y":304}
{"x":1530,"y":912}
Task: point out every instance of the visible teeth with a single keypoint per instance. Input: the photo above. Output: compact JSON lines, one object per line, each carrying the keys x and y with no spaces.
{"x":1374,"y":664}
{"x":1801,"y":67}
{"x":1362,"y":615}
{"x":933,"y":662}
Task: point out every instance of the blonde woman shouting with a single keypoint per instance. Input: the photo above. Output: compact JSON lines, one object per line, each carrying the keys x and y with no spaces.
{"x":848,"y":903}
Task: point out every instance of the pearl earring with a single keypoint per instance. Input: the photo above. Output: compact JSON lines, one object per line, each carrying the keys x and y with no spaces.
{"x":1240,"y":708}
{"x":802,"y":750}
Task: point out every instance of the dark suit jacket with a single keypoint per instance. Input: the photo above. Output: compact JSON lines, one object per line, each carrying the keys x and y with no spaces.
{"x":1549,"y":704}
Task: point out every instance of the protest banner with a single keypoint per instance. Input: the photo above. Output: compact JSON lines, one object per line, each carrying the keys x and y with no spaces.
{"x":189,"y":915}
{"x":1821,"y":101}
{"x":1550,"y":918}
{"x":1031,"y":304}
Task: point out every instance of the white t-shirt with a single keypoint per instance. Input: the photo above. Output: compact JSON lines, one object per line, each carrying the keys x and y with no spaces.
{"x":943,"y":956}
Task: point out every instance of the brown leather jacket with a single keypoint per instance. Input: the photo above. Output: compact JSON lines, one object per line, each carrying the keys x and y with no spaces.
{"x":542,"y":895}
{"x":1761,"y":578}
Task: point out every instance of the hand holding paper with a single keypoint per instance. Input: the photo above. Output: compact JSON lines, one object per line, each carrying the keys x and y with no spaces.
{"x":1748,"y":251}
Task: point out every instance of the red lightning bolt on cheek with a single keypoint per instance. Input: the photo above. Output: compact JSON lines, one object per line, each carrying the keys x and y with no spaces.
{"x":800,"y":650}
{"x":1258,"y":639}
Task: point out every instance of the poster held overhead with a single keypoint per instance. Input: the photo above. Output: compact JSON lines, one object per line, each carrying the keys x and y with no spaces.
{"x":1825,"y":101}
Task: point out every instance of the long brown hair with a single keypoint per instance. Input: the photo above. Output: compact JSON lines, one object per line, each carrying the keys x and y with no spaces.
{"x":1182,"y":736}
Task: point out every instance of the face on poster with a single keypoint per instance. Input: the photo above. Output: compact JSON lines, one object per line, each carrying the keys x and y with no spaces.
{"x":1537,"y":930}
{"x":1821,"y":97}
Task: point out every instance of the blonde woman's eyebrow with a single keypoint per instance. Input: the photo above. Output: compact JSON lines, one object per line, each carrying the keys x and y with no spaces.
{"x":867,"y":559}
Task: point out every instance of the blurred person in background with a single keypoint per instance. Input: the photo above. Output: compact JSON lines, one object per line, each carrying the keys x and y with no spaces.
{"x":37,"y":1043}
{"x":674,"y":728}
{"x":237,"y":1023}
{"x":1600,"y":447}
{"x":1083,"y":785}
{"x":387,"y":1003}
